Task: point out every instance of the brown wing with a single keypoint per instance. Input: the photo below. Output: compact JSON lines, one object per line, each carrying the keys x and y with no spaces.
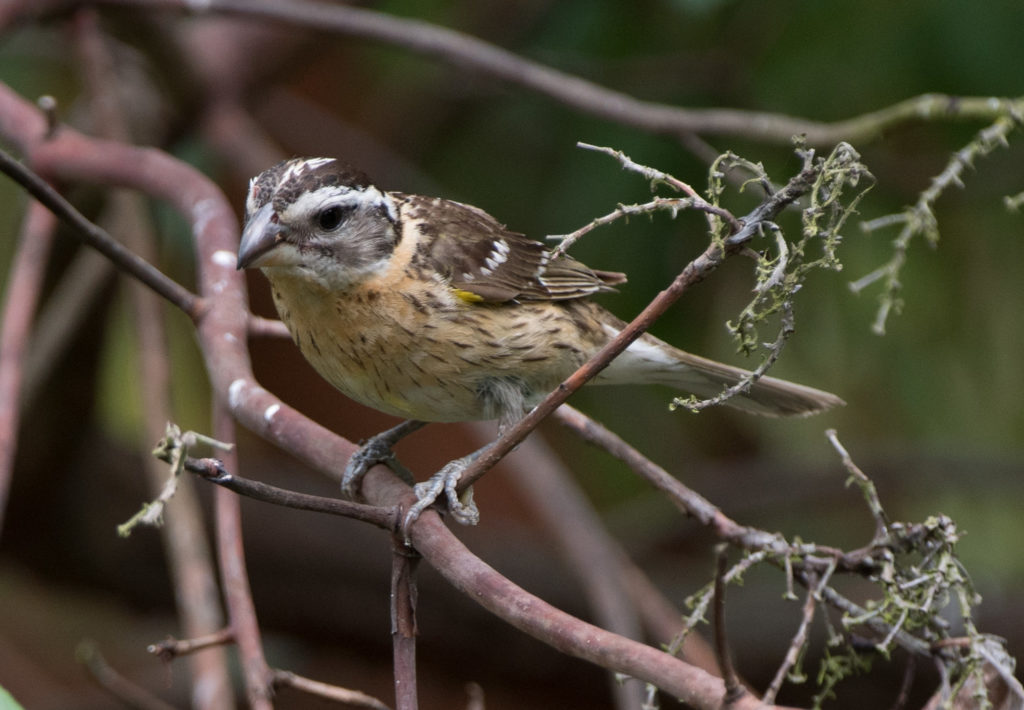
{"x":479,"y":255}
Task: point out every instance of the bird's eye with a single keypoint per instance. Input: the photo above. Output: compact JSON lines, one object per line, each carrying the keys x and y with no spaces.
{"x":330,"y":218}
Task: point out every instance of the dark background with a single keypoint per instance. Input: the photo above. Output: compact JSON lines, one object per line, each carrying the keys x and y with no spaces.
{"x":933,"y":410}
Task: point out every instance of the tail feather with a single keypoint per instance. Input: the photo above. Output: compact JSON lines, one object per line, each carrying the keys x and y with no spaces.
{"x":651,"y":361}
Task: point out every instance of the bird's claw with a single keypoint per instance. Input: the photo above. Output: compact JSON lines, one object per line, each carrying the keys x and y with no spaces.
{"x":369,"y":455}
{"x":375,"y":450}
{"x":461,"y":507}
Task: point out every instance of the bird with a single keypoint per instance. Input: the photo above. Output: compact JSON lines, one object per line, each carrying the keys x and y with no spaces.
{"x":433,"y":311}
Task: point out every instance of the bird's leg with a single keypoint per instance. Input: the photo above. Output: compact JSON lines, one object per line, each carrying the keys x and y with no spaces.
{"x":445,"y":481}
{"x":375,"y":450}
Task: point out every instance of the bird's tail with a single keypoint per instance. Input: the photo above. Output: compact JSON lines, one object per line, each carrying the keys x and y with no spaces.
{"x":651,"y":361}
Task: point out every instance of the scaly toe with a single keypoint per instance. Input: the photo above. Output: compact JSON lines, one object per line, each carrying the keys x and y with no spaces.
{"x":463,"y":510}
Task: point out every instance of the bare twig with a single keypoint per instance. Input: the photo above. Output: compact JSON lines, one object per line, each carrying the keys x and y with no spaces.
{"x":125,"y":259}
{"x":815,"y":560}
{"x":403,"y":622}
{"x":799,"y":643}
{"x":235,"y":580}
{"x":19,"y":306}
{"x":267,"y":328}
{"x":694,"y":272}
{"x":786,"y":329}
{"x":107,"y":677}
{"x":670,"y":204}
{"x":907,"y":683}
{"x":734,"y":690}
{"x":354,"y":698}
{"x":186,"y":545}
{"x":214,"y":471}
{"x":866,"y":485}
{"x":171,"y":648}
{"x":656,"y":176}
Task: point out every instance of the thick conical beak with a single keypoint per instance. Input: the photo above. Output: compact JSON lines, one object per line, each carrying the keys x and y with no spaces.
{"x":261,"y":234}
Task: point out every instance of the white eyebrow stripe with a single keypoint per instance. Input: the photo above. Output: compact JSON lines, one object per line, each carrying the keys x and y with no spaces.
{"x":309,"y":203}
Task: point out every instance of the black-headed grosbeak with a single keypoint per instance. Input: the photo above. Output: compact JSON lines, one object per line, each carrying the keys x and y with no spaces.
{"x":431,"y":310}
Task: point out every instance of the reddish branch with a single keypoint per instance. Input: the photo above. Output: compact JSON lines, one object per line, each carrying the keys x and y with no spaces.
{"x":472,"y":54}
{"x":97,"y":238}
{"x":478,"y":581}
{"x":403,"y":621}
{"x":222,"y":329}
{"x":235,"y":578}
{"x":20,"y":299}
{"x":190,"y":560}
{"x":214,"y":471}
{"x":694,"y":272}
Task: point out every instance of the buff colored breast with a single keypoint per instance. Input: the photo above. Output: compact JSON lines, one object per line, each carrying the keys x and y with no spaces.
{"x":385,"y":348}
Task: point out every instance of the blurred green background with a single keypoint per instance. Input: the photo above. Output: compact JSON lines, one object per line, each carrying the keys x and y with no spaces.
{"x":933,"y":412}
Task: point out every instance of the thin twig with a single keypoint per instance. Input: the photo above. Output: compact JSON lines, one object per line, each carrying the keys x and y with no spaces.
{"x":99,"y":239}
{"x":171,"y":648}
{"x":867,"y":488}
{"x":214,"y":471}
{"x":235,"y":579}
{"x":905,"y":686}
{"x":671,"y":204}
{"x":19,"y":306}
{"x":734,"y":690}
{"x":920,"y":219}
{"x":267,"y":327}
{"x":657,"y":176}
{"x":694,"y":272}
{"x":107,"y":677}
{"x":743,"y":385}
{"x":813,"y":558}
{"x":354,"y":698}
{"x":799,"y":642}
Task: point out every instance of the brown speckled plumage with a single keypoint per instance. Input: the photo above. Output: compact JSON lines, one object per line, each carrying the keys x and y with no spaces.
{"x":431,"y":309}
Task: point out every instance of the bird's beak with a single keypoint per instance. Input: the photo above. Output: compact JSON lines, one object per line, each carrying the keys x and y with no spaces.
{"x":261,"y":234}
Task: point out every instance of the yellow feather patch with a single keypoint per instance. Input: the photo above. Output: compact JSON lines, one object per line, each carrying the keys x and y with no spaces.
{"x":467,"y":296}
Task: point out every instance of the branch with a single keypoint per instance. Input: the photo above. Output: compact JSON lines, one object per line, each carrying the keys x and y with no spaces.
{"x":171,"y":648}
{"x":403,"y":621}
{"x":214,"y":471}
{"x":19,"y":306}
{"x":605,"y":573}
{"x":353,"y":698}
{"x":471,"y":54}
{"x":734,"y":690}
{"x":694,"y":272}
{"x":919,"y":219}
{"x":99,"y":239}
{"x":108,"y":678}
{"x":533,"y":616}
{"x":222,"y":330}
{"x":234,"y":576}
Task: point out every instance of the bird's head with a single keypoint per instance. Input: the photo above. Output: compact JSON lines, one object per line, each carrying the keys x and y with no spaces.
{"x":317,"y":219}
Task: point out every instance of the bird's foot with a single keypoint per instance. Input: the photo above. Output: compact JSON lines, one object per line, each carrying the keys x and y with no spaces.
{"x":461,"y":507}
{"x":375,"y":450}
